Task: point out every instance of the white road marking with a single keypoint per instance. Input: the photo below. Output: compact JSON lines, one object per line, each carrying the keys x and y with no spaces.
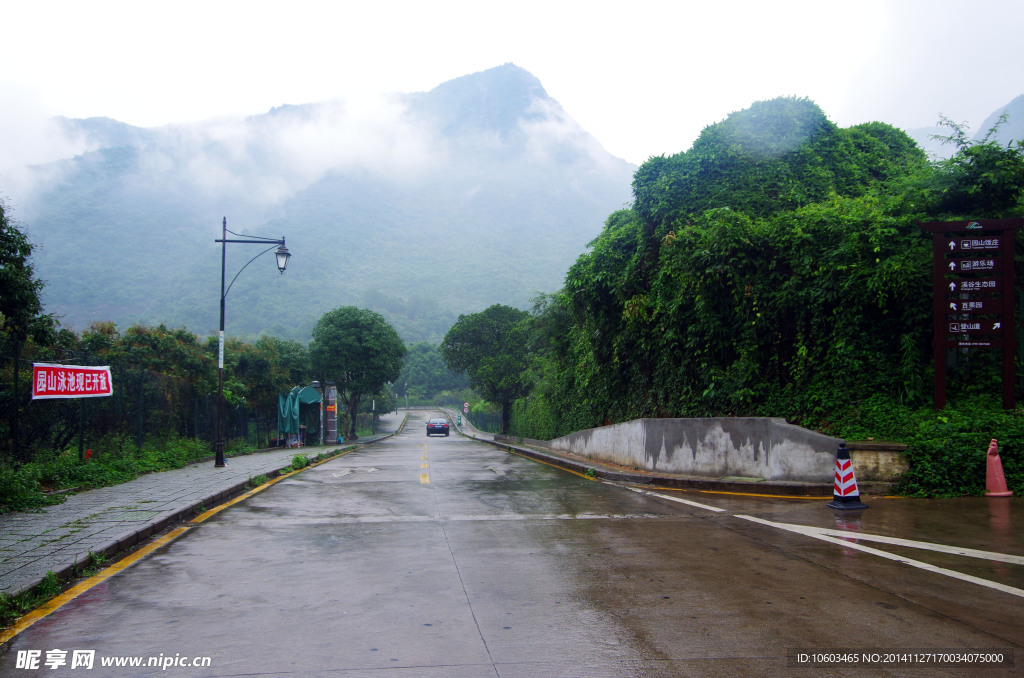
{"x":843,"y":537}
{"x":678,"y":500}
{"x":926,"y":546}
{"x":821,"y":533}
{"x":348,"y":471}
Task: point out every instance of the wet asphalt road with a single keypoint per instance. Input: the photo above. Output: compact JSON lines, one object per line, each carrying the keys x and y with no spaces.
{"x":450,"y":558}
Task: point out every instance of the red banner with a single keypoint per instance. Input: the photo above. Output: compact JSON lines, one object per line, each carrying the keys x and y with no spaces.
{"x":70,"y":381}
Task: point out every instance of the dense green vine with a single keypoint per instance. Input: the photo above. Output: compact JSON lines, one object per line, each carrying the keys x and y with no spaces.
{"x":776,"y":268}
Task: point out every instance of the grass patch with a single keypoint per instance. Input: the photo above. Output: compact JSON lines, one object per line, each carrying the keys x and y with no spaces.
{"x":253,"y":483}
{"x":51,"y":476}
{"x":13,"y":607}
{"x":95,"y":563}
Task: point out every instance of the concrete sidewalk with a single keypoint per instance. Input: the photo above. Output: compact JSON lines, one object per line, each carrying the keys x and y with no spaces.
{"x":112,"y":519}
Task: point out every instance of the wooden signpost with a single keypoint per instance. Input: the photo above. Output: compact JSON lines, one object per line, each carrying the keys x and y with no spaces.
{"x":974,"y":294}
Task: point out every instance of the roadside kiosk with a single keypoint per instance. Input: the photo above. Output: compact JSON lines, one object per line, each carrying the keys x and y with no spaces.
{"x":298,"y":417}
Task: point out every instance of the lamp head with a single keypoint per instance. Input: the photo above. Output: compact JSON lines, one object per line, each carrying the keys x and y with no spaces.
{"x":282,"y":255}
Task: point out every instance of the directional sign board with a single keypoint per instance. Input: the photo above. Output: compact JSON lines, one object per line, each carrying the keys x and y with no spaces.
{"x":961,"y":245}
{"x":974,"y":293}
{"x":963,"y":286}
{"x":985,"y":327}
{"x":978,"y":265}
{"x":961,"y":307}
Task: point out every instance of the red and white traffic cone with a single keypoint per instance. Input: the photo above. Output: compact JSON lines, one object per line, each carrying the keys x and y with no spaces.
{"x":845,"y":494}
{"x":995,"y":480}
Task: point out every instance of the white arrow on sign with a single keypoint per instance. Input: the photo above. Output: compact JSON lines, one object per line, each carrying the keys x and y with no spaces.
{"x":952,"y":306}
{"x":996,"y":326}
{"x":952,"y":245}
{"x":952,"y":265}
{"x":952,"y":287}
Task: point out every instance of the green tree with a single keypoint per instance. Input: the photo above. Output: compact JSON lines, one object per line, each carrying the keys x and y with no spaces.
{"x":269,"y":367}
{"x":21,"y":316}
{"x":359,"y":351}
{"x":424,"y":374}
{"x":493,"y":348}
{"x":21,"y":311}
{"x":100,"y":338}
{"x":982,"y":179}
{"x":172,"y":352}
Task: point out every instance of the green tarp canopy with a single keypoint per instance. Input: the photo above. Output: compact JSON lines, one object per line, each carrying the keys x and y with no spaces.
{"x":297,"y":410}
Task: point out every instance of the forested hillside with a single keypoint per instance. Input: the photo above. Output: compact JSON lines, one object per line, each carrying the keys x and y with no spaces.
{"x":776,"y":268}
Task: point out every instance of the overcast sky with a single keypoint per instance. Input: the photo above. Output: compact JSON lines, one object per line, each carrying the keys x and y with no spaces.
{"x":643,"y":77}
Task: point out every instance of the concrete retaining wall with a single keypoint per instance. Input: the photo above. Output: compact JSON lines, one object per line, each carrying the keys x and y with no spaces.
{"x":878,"y":460}
{"x":752,"y":447}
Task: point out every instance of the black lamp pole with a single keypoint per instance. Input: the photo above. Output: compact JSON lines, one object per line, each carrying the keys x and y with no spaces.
{"x":282,"y":262}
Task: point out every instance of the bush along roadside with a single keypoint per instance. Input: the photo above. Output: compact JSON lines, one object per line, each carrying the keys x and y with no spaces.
{"x":946,"y":449}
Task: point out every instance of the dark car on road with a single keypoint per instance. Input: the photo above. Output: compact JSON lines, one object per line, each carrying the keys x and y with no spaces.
{"x":437,"y":426}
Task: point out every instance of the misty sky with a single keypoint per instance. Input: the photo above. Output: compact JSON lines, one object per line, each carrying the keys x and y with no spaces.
{"x":643,"y":77}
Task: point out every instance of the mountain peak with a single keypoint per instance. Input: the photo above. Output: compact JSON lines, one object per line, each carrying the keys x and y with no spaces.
{"x":1013,"y":128}
{"x":507,"y":78}
{"x":494,"y":100}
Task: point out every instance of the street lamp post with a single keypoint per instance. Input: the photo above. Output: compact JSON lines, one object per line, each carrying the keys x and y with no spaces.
{"x":282,"y":262}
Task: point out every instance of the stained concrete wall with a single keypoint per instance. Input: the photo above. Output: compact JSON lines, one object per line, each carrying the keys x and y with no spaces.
{"x":752,"y":447}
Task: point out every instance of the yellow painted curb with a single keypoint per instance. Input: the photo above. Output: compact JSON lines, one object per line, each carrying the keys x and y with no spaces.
{"x":58,"y":602}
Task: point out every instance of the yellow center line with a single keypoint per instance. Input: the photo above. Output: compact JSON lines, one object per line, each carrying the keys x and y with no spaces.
{"x":424,"y":477}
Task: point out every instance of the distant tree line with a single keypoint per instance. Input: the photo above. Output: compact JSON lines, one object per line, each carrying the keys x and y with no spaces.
{"x":425,"y":378}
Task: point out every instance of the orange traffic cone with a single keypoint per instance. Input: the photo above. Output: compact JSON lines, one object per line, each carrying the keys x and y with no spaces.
{"x":845,"y":494}
{"x":995,"y":481}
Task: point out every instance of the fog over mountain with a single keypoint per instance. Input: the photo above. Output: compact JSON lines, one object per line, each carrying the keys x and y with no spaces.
{"x":1010,"y":129}
{"x":422,"y":206}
